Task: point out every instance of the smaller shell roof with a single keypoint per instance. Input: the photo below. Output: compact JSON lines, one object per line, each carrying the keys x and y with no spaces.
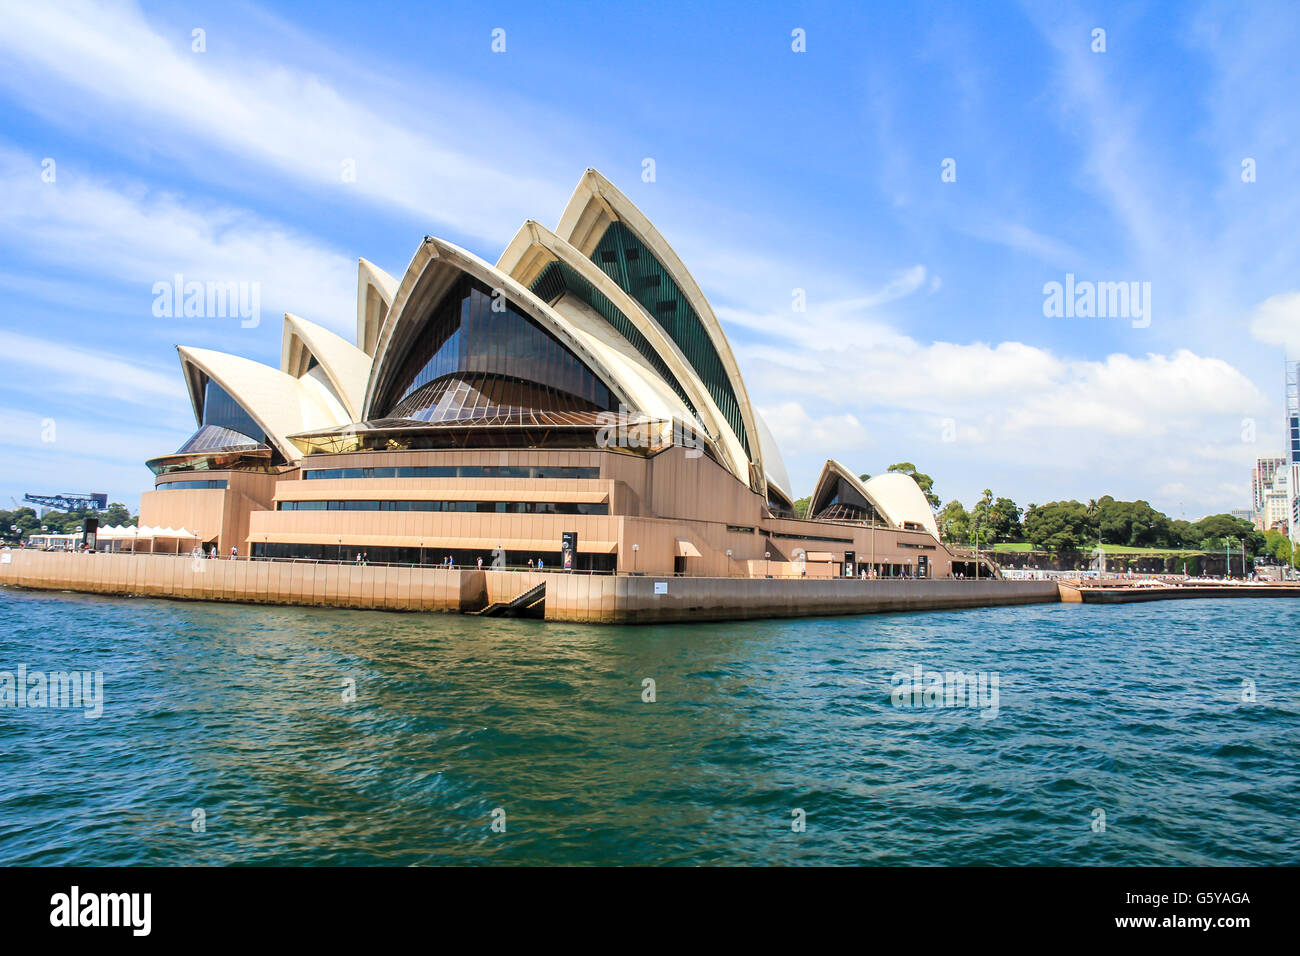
{"x":279,"y":403}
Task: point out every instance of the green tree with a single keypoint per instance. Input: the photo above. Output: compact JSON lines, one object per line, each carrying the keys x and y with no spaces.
{"x":1277,"y":546}
{"x":117,"y":514}
{"x":1004,"y":520}
{"x":1058,"y":526}
{"x":1222,"y":531}
{"x":954,"y":522}
{"x":1133,"y":524}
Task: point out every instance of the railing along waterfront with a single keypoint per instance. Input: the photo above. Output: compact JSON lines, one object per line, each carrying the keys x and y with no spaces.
{"x":550,"y":569}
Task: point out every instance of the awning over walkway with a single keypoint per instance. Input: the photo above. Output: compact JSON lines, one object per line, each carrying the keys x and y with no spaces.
{"x":142,"y":533}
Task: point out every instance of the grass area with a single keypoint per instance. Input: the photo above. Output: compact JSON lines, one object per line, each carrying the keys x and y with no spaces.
{"x":1024,"y":546}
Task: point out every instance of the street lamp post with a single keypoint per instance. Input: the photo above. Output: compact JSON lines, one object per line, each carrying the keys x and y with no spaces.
{"x":767,"y":563}
{"x":635,"y":549}
{"x":873,"y":540}
{"x":728,"y":562}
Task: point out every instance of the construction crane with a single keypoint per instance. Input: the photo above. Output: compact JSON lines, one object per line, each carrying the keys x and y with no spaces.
{"x":71,"y":503}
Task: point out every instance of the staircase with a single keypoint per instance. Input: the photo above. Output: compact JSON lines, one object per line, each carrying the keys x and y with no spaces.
{"x":532,"y":603}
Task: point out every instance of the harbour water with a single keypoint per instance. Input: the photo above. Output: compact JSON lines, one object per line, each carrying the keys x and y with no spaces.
{"x":1161,"y":733}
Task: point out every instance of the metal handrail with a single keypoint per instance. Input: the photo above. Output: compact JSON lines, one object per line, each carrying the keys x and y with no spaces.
{"x":189,"y":555}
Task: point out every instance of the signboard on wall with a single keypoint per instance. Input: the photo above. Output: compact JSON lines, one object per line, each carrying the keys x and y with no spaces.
{"x":90,"y":531}
{"x":661,"y":587}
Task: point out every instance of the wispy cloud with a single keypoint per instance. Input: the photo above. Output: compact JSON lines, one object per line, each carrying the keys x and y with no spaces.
{"x":126,"y":234}
{"x":67,"y":370}
{"x":112,"y":60}
{"x":1276,"y":321}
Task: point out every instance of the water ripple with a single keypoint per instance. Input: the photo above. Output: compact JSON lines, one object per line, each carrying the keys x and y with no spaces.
{"x":1139,"y":712}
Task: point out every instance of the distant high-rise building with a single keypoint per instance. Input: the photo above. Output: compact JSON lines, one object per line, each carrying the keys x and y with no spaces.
{"x":1278,"y":502}
{"x":1293,"y":448}
{"x":1261,"y":479}
{"x":1293,"y":412}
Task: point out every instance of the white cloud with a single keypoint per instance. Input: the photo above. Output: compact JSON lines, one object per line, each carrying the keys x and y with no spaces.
{"x":831,"y":316}
{"x":973,"y":414}
{"x":1276,"y":321}
{"x":116,"y":63}
{"x":1021,"y":238}
{"x":68,"y":370}
{"x":128,"y":234}
{"x":798,"y":432}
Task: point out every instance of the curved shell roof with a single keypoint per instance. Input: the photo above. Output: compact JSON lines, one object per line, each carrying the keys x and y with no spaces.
{"x":278,"y":402}
{"x":674,"y":363}
{"x":595,"y":206}
{"x":901,"y":499}
{"x":773,"y":463}
{"x":535,"y":247}
{"x":346,"y":367}
{"x":375,"y":291}
{"x":896,"y":496}
{"x":433,"y":270}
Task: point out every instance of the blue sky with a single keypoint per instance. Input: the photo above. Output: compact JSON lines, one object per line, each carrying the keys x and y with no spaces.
{"x":924,"y":337}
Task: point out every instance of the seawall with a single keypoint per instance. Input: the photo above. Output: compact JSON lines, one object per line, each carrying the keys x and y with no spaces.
{"x":605,"y":599}
{"x":1073,"y":594}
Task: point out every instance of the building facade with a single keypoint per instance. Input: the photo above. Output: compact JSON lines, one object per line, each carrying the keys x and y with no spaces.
{"x":1261,"y":481}
{"x":1293,"y":449}
{"x":576,"y":404}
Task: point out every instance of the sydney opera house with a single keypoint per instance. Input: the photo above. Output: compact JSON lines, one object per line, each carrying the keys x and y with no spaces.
{"x":577,"y":404}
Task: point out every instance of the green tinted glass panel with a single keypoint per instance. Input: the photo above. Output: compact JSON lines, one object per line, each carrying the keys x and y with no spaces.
{"x":629,"y":263}
{"x":558,"y":278}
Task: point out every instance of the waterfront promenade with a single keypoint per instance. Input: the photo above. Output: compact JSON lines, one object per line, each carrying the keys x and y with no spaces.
{"x":593,"y":598}
{"x":562,"y":596}
{"x":1074,"y":592}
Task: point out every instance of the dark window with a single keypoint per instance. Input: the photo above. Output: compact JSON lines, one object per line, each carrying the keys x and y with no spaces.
{"x":458,"y":471}
{"x":477,"y":507}
{"x":431,"y":555}
{"x":222,"y":411}
{"x":470,"y":360}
